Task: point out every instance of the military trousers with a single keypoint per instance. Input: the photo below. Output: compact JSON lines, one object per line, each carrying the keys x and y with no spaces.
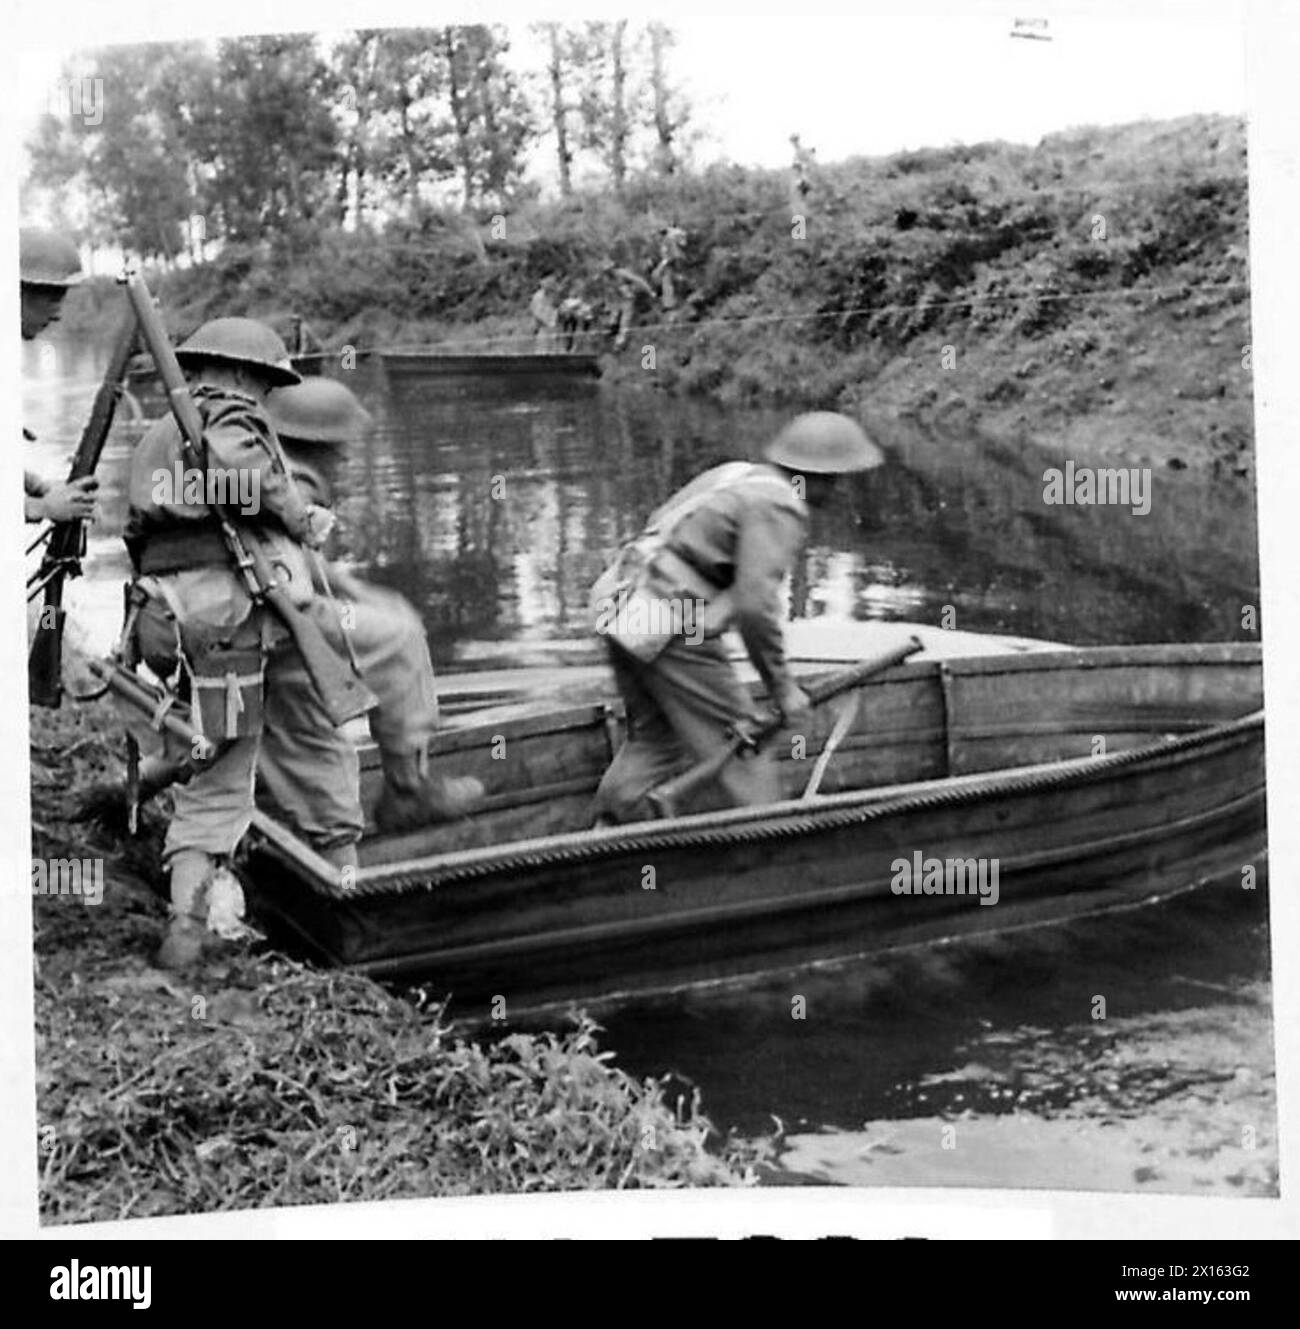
{"x":392,"y":650}
{"x":316,"y":782}
{"x":681,"y":707}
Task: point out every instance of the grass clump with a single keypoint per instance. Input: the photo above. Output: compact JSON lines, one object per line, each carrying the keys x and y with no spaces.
{"x":291,"y":1086}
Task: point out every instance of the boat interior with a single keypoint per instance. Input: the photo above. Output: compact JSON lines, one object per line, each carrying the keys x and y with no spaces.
{"x":916,"y":722}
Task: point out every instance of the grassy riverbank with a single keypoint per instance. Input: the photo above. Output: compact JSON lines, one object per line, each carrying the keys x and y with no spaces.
{"x":1091,"y":289}
{"x":259,"y":1081}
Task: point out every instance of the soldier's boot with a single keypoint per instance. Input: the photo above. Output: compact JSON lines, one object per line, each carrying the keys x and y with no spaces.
{"x":191,"y":873}
{"x":414,"y":796}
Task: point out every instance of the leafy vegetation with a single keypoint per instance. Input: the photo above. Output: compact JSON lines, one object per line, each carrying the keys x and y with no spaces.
{"x":170,"y":149}
{"x":264,"y":1082}
{"x":1094,"y":288}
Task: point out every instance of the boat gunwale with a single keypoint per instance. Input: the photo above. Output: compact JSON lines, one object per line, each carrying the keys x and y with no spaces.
{"x":788,"y":818}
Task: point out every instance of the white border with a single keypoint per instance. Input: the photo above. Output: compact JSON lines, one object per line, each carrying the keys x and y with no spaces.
{"x":1274,"y":56}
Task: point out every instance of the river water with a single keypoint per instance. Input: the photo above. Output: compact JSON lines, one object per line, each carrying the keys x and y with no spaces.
{"x":493,"y":504}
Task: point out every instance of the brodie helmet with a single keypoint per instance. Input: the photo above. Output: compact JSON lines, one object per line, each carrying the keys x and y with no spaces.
{"x":317,"y":411}
{"x":46,"y":258}
{"x":823,"y":443}
{"x":240,"y":341}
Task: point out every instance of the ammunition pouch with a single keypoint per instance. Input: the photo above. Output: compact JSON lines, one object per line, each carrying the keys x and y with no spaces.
{"x":218,"y":669}
{"x":650,"y":596}
{"x":227,"y":682}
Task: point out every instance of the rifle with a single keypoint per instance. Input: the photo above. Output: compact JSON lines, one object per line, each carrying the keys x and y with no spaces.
{"x":339,"y":688}
{"x":166,"y":713}
{"x":67,"y":539}
{"x":666,"y":798}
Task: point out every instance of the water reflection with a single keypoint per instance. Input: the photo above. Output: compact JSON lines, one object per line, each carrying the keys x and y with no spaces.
{"x":494,"y":503}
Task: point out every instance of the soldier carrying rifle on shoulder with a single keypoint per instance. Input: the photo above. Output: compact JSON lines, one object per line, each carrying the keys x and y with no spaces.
{"x":227,"y":649}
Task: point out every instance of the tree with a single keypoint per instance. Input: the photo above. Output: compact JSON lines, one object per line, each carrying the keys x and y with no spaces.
{"x":629,"y":111}
{"x":668,"y":109}
{"x":265,"y":126}
{"x":606,"y":100}
{"x":411,"y":145}
{"x":489,"y":115}
{"x":356,"y":62}
{"x":131,"y":163}
{"x":557,"y":75}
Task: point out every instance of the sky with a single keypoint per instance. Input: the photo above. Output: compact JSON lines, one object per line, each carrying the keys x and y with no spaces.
{"x":866,"y":83}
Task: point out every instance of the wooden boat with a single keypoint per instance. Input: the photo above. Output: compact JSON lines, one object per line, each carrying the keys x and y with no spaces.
{"x":570,"y":364}
{"x":1093,"y":778}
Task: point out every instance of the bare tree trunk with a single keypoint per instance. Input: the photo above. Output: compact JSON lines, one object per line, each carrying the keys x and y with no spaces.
{"x":460,"y":118}
{"x":667,"y":160}
{"x":412,"y":172}
{"x":341,"y":193}
{"x":365,"y":102}
{"x":559,"y":111}
{"x":618,"y":111}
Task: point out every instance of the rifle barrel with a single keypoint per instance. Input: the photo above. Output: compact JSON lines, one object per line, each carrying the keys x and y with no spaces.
{"x":665,"y":797}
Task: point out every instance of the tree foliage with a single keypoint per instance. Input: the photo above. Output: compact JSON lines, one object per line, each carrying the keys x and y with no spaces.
{"x":264,"y":140}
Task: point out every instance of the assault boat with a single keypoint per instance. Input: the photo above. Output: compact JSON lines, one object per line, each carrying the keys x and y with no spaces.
{"x":572,"y":364}
{"x":968,"y":796}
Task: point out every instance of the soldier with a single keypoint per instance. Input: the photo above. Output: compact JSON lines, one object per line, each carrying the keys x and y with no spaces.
{"x":48,"y":265}
{"x":193,"y":622}
{"x":631,"y":287}
{"x":711,"y":558}
{"x":315,"y":421}
{"x":574,"y":318}
{"x":545,"y":316}
{"x":801,"y":173}
{"x":672,"y":240}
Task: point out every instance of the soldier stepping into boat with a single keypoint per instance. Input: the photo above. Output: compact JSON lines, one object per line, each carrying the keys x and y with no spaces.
{"x":713,"y":557}
{"x":316,"y":420}
{"x":192,"y":620}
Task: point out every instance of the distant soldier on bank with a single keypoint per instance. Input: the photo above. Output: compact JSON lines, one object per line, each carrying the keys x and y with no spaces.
{"x":801,"y":174}
{"x":192,"y":620}
{"x":632,"y":289}
{"x":575,"y":320}
{"x":317,"y":420}
{"x":672,"y":243}
{"x":546,"y":316}
{"x":302,"y":337}
{"x":722,"y":546}
{"x":48,"y":266}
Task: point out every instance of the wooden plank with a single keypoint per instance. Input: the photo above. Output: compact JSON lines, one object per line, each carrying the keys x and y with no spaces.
{"x":1122,"y":697}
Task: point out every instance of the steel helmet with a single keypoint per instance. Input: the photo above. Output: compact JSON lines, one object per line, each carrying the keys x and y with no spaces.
{"x":46,"y":258}
{"x":317,"y":411}
{"x":823,"y":443}
{"x":241,"y":341}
